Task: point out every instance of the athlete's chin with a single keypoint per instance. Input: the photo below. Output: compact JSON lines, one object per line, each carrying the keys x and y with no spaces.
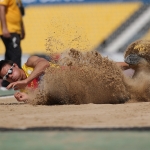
{"x":15,"y":79}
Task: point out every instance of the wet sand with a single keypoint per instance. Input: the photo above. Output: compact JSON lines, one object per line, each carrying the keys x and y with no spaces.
{"x":20,"y":115}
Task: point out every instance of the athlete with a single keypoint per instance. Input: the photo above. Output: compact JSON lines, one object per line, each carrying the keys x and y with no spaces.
{"x":29,"y":75}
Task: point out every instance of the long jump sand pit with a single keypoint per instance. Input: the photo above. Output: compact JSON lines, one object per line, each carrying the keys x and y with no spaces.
{"x":90,"y":92}
{"x":21,"y":115}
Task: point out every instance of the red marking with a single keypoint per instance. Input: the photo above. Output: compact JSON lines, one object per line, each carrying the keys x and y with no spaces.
{"x":34,"y":83}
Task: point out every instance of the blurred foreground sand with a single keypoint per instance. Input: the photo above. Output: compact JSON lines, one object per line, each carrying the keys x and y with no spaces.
{"x":20,"y":115}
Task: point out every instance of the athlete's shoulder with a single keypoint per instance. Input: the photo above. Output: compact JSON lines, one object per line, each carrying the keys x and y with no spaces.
{"x":28,"y":70}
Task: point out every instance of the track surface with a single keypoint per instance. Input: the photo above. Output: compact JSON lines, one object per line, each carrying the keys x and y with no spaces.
{"x":90,"y":126}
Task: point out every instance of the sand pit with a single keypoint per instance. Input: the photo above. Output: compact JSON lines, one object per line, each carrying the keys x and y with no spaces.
{"x":20,"y":115}
{"x":91,"y":91}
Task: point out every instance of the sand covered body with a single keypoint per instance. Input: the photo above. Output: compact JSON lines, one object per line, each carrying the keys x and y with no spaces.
{"x":82,"y":78}
{"x":19,"y":115}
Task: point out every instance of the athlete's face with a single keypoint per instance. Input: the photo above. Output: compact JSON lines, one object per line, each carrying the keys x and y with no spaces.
{"x":10,"y":73}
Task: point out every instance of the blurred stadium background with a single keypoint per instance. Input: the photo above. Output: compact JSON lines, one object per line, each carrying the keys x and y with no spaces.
{"x":108,"y":26}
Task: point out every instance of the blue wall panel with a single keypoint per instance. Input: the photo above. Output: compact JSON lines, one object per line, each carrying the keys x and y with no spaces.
{"x":37,"y":2}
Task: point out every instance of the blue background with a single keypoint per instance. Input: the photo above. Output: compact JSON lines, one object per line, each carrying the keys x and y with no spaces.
{"x":37,"y":2}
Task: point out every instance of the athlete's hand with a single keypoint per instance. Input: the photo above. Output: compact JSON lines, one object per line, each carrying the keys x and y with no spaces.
{"x":21,"y":97}
{"x":18,"y":85}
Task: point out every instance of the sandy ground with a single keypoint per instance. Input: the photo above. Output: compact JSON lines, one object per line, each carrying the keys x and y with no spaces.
{"x":94,"y":80}
{"x":20,"y":115}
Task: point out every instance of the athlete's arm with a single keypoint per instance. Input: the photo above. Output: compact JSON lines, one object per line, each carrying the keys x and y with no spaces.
{"x":123,"y":65}
{"x":39,"y":65}
{"x":22,"y":30}
{"x":5,"y":31}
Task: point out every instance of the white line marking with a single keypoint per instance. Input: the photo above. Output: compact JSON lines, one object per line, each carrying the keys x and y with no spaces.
{"x":5,"y":97}
{"x":129,"y":32}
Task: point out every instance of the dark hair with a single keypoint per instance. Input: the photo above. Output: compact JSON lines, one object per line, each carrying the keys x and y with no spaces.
{"x":3,"y":63}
